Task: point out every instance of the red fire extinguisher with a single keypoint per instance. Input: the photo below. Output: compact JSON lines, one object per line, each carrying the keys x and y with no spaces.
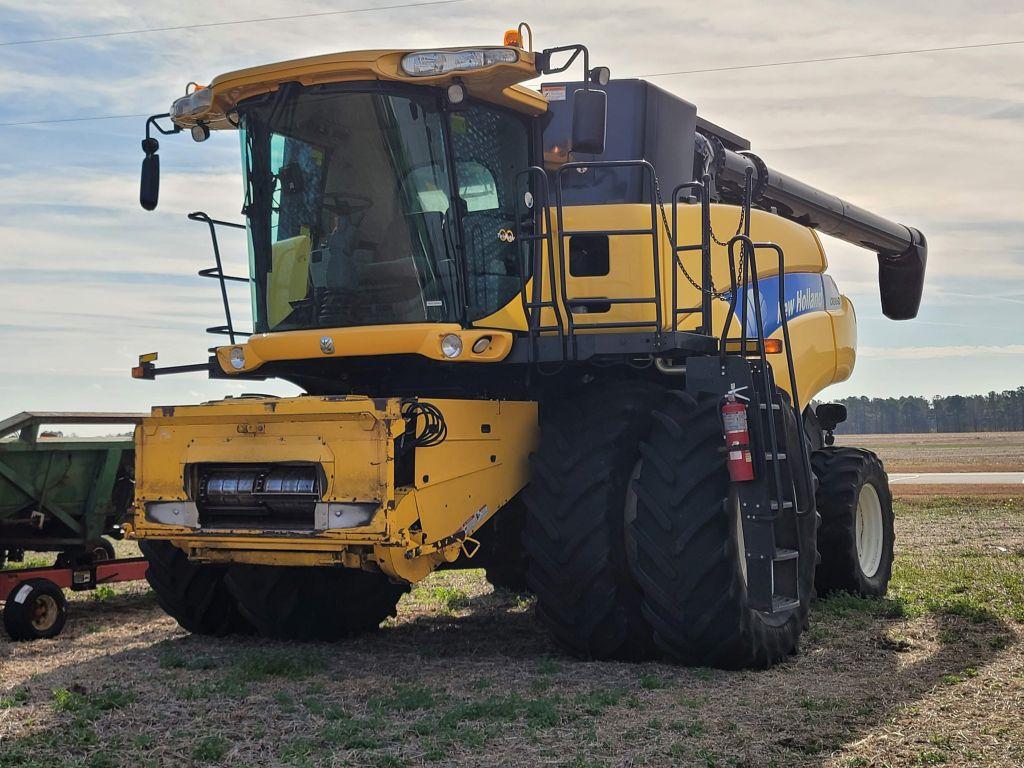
{"x":737,"y":439}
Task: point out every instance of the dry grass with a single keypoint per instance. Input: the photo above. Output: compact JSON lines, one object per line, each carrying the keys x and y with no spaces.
{"x":933,"y":675}
{"x":945,"y":452}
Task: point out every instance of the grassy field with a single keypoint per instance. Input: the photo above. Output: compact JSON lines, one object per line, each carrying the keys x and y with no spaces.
{"x":945,"y":452}
{"x":933,"y":675}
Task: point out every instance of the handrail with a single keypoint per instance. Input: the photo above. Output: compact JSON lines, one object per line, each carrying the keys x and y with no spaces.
{"x":651,"y":232}
{"x":534,"y":305}
{"x":217,"y":272}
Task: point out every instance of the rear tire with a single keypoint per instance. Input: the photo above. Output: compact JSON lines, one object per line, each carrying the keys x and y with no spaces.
{"x":576,"y":500}
{"x":503,"y":556}
{"x":857,"y":522}
{"x":686,"y":548}
{"x":35,"y":610}
{"x":194,"y":595}
{"x":313,"y":603}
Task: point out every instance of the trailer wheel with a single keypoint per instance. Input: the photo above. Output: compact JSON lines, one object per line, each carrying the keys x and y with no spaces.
{"x":194,"y":595}
{"x":686,"y":546}
{"x":291,"y":603}
{"x":579,"y":489}
{"x":857,"y":522}
{"x":36,"y":609}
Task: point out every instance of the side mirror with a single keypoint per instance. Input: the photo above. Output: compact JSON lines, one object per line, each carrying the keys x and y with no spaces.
{"x":830,"y":415}
{"x":589,"y":118}
{"x":149,"y":183}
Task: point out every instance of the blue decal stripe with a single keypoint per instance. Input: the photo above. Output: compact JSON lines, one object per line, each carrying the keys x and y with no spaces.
{"x":804,"y":292}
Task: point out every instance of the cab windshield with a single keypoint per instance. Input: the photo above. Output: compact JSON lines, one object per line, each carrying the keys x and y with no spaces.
{"x":370,"y":207}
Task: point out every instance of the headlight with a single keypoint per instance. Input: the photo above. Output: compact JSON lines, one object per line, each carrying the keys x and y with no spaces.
{"x":237,"y":357}
{"x":196,"y":103}
{"x":451,"y":345}
{"x":427,"y":63}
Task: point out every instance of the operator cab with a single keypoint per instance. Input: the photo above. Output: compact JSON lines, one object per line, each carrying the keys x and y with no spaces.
{"x":360,"y":198}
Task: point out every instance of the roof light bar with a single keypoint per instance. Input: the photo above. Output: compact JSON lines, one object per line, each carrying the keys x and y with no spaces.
{"x":196,"y":103}
{"x":432,"y":63}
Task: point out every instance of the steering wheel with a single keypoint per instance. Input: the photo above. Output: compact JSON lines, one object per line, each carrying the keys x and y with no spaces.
{"x":344,"y":203}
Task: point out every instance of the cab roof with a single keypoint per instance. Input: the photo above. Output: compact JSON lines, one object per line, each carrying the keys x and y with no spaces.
{"x":497,"y":83}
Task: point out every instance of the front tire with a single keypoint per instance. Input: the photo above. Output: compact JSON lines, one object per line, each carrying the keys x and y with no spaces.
{"x":194,"y":595}
{"x":292,"y":603}
{"x":686,"y":547}
{"x":576,"y":502}
{"x":857,"y":522}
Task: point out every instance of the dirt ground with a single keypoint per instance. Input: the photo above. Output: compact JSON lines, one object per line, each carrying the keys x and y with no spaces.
{"x":945,"y":452}
{"x":933,"y":675}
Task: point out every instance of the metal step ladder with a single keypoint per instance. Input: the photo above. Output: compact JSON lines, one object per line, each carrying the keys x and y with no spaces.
{"x":772,"y":505}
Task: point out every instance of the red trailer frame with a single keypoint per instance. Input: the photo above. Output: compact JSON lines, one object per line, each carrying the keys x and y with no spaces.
{"x":78,"y":578}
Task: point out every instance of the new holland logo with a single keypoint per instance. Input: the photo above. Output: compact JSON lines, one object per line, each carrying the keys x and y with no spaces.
{"x":506,"y":235}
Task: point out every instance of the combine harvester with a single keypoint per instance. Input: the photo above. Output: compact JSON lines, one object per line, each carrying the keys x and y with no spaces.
{"x":568,"y":336}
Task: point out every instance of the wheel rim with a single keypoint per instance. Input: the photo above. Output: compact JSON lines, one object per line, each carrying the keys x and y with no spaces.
{"x":741,"y":546}
{"x":44,"y":613}
{"x":870,"y":531}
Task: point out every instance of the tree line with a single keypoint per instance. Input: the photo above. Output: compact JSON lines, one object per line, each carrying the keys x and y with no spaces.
{"x":994,"y":412}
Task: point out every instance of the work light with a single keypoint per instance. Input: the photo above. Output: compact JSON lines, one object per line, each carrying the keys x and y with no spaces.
{"x":428,"y":63}
{"x":196,"y":103}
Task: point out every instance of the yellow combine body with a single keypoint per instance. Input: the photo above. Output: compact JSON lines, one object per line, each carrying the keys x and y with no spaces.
{"x":517,"y":352}
{"x":363,"y":518}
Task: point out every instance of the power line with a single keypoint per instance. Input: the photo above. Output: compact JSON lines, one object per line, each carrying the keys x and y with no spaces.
{"x":908,"y":52}
{"x":225,"y":23}
{"x":69,"y":120}
{"x":835,"y":58}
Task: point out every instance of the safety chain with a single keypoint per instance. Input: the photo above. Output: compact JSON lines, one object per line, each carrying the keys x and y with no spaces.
{"x":715,"y":294}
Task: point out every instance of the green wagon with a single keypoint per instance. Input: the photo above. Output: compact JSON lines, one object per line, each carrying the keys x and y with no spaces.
{"x":63,"y":494}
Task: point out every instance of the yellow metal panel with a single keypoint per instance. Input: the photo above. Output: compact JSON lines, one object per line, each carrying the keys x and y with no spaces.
{"x":409,"y":339}
{"x":482,"y":463}
{"x":844,"y":322}
{"x":350,"y":441}
{"x":631,"y":266}
{"x":814,"y":355}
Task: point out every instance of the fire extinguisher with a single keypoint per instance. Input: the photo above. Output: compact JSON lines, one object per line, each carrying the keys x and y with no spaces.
{"x":737,"y":439}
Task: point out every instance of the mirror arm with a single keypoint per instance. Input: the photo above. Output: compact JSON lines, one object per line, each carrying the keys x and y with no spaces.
{"x":544,"y":61}
{"x":152,"y":121}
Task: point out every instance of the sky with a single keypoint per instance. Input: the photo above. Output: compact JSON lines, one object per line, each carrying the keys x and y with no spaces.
{"x":88,"y":280}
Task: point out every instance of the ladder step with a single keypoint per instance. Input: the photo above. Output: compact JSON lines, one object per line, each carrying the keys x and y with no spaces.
{"x":785,"y":505}
{"x":781,"y":604}
{"x":782,"y":555}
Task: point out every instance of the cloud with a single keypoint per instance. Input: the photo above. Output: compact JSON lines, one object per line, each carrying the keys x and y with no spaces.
{"x":931,"y":353}
{"x":929,"y":140}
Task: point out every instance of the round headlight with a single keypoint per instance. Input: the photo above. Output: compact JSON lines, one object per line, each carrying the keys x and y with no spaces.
{"x":237,"y":358}
{"x":451,"y":345}
{"x":456,"y":93}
